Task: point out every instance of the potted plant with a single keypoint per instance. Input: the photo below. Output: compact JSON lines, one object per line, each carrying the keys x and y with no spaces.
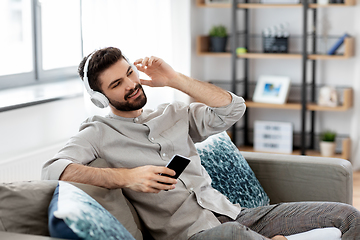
{"x":327,"y":143}
{"x":218,"y":38}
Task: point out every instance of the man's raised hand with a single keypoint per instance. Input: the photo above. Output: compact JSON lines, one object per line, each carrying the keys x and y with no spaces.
{"x":157,"y":69}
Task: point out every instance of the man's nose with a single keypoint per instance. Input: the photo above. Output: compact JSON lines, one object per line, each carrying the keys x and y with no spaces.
{"x":130,"y":84}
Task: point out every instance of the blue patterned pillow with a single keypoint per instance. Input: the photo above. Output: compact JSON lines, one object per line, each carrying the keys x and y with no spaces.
{"x":230,"y":173}
{"x":73,"y":214}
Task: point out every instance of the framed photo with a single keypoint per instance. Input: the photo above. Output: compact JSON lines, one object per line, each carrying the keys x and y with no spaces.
{"x":272,"y":89}
{"x":328,"y":97}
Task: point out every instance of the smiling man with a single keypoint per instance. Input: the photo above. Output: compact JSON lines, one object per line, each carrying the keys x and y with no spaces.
{"x":137,"y":143}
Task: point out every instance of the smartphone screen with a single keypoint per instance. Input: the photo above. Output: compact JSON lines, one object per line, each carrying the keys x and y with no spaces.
{"x":178,"y":164}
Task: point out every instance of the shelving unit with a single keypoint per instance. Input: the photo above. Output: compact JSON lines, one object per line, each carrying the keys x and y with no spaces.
{"x":304,"y":106}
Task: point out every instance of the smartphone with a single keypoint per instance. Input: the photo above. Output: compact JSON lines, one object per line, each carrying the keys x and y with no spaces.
{"x":178,"y":163}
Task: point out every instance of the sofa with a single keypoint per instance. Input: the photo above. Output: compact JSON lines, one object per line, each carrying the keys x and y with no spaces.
{"x":285,"y":178}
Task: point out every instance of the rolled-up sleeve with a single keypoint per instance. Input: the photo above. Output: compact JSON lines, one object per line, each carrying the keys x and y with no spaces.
{"x":53,"y":169}
{"x":205,"y":121}
{"x":80,"y":149}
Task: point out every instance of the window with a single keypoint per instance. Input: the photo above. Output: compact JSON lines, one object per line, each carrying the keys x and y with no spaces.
{"x":43,"y":38}
{"x":42,"y":41}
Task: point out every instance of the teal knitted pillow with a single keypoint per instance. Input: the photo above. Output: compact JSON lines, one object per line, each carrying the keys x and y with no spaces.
{"x":73,"y":214}
{"x":230,"y":173}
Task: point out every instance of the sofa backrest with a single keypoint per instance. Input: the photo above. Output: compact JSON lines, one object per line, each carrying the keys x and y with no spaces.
{"x":24,"y":206}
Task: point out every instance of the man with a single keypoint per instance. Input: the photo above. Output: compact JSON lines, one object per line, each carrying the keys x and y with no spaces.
{"x":137,"y":144}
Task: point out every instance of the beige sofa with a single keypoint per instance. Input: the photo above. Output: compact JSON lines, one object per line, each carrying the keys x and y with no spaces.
{"x":285,"y":178}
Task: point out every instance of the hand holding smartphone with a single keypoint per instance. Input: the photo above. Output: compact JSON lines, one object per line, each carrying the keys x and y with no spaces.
{"x":178,"y":163}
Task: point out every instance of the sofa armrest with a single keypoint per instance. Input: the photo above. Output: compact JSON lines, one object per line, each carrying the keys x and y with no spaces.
{"x":20,"y":236}
{"x":292,"y":178}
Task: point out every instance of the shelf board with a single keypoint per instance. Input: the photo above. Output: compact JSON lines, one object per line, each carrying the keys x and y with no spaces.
{"x":268,"y":5}
{"x":289,"y":106}
{"x":269,"y":56}
{"x":345,"y":154}
{"x":346,"y":105}
{"x":214,"y":54}
{"x":346,"y":4}
{"x":202,"y":49}
{"x":202,"y":4}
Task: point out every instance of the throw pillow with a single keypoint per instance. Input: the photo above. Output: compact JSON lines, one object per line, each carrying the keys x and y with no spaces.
{"x":230,"y":173}
{"x":73,"y":214}
{"x":24,"y":206}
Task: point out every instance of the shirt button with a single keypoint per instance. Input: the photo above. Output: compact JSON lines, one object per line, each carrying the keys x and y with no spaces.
{"x":152,"y":139}
{"x":191,"y":189}
{"x":200,"y":202}
{"x":164,"y":154}
{"x":136,"y":119}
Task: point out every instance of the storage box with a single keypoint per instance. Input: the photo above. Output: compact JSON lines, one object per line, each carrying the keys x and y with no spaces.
{"x":273,"y":136}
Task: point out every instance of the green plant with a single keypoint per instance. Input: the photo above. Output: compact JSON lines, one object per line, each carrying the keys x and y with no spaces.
{"x":328,"y":136}
{"x":218,"y":31}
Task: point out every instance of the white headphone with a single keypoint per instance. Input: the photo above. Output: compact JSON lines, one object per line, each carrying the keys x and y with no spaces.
{"x":99,"y":99}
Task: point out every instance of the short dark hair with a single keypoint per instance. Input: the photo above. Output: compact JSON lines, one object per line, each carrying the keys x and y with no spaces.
{"x":101,"y":60}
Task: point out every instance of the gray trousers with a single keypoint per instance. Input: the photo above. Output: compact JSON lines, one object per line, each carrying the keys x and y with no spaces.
{"x":285,"y":219}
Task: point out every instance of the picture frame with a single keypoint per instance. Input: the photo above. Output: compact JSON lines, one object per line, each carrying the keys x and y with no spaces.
{"x":272,"y":89}
{"x":328,"y":97}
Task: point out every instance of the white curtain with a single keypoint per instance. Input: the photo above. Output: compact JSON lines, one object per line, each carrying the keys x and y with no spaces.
{"x":141,"y":28}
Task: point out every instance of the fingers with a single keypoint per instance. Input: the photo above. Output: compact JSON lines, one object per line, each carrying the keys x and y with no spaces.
{"x":146,"y":62}
{"x":148,"y":179}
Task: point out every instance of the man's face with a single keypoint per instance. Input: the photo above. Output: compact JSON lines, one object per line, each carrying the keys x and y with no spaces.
{"x":121,"y":85}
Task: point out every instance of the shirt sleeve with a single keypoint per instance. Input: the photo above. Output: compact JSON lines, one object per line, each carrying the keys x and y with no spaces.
{"x":206,"y":121}
{"x":81,"y":149}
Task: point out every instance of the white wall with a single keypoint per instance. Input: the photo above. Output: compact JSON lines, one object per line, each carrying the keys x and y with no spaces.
{"x":332,"y":72}
{"x":29,"y":136}
{"x":31,"y":128}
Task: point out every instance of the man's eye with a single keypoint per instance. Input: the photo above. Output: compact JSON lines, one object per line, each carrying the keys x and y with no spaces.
{"x":116,"y":84}
{"x":131,"y":71}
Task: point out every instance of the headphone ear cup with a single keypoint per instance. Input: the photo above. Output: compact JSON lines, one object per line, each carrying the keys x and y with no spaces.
{"x":99,"y":99}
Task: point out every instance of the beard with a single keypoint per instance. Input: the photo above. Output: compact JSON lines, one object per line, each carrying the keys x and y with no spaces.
{"x":136,"y":104}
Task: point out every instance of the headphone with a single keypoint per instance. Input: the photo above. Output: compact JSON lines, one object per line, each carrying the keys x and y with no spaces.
{"x":99,"y":99}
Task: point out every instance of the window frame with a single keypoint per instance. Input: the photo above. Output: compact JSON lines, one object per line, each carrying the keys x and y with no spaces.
{"x":38,"y":75}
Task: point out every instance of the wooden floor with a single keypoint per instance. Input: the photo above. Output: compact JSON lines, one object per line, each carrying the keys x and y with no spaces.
{"x":356,"y":192}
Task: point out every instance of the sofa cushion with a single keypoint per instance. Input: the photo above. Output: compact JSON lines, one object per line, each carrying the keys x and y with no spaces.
{"x":24,"y":206}
{"x":230,"y":173}
{"x":73,"y":214}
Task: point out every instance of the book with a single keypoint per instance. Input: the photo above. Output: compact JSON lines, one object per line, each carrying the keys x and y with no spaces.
{"x":338,"y":44}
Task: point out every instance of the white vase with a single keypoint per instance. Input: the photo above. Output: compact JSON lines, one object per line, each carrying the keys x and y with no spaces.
{"x":327,"y":149}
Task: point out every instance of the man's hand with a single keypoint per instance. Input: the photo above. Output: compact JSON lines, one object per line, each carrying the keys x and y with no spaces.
{"x":162,"y":74}
{"x":148,"y":178}
{"x":140,"y":179}
{"x":157,"y":69}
